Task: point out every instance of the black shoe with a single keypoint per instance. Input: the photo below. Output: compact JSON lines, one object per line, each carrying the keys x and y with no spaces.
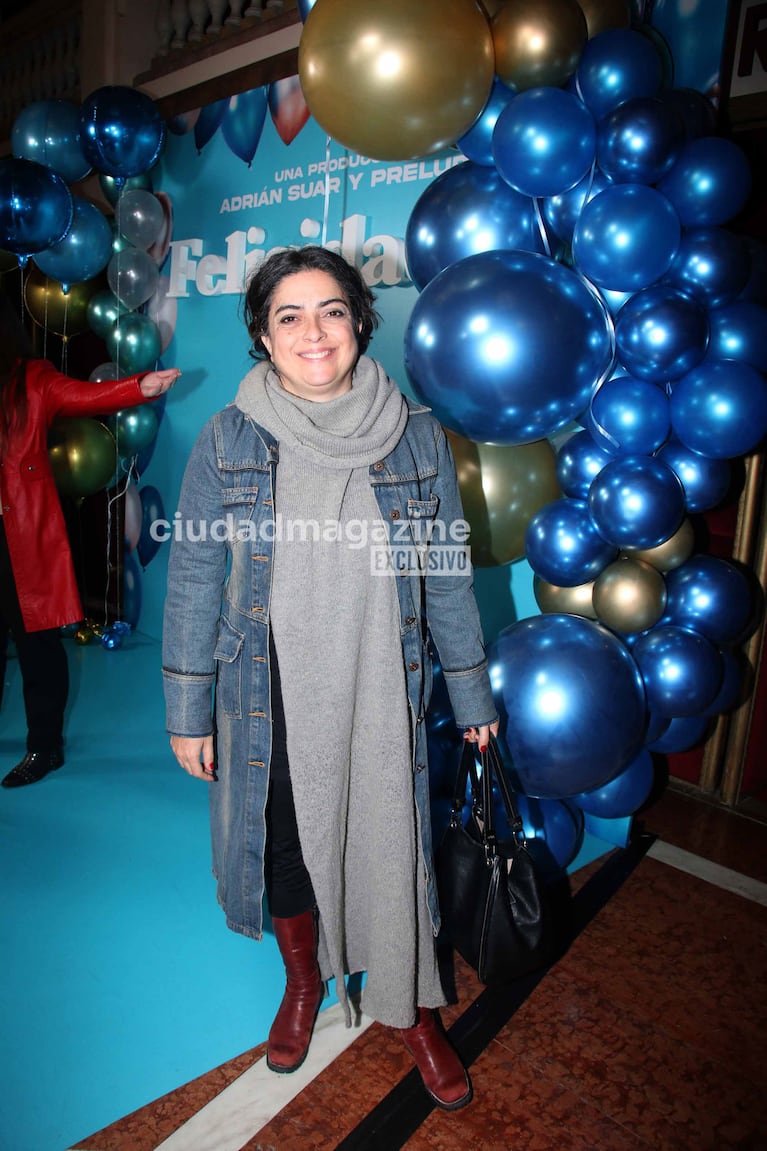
{"x":33,"y":767}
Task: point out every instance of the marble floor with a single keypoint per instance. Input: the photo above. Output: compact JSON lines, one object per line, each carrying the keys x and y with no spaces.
{"x":648,"y":1034}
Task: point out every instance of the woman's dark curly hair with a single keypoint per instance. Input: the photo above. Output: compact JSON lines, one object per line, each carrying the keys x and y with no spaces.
{"x":263,"y":283}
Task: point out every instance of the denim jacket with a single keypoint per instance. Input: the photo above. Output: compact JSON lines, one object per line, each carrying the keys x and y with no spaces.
{"x":215,"y":643}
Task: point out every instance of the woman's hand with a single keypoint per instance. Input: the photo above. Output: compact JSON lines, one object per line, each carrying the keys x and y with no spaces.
{"x":153,"y":384}
{"x":481,"y":735}
{"x":195,"y":754}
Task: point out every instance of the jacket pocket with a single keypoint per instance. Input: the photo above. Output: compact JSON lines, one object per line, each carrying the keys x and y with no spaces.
{"x":421,"y":515}
{"x":228,"y":656}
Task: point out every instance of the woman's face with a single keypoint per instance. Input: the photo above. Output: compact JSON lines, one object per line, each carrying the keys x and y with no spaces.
{"x":312,"y":340}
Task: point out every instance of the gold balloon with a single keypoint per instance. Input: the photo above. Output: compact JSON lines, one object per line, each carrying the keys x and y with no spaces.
{"x":538,"y":42}
{"x":602,"y":14}
{"x":629,"y":595}
{"x":557,"y":600}
{"x":501,"y":489}
{"x":65,"y":313}
{"x":83,"y":455}
{"x":396,"y":80}
{"x":83,"y":635}
{"x":671,"y":553}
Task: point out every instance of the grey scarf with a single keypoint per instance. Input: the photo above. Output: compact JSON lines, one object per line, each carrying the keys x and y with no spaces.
{"x":336,"y":630}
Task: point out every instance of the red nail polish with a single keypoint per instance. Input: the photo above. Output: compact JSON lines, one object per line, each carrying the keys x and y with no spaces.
{"x":483,"y":747}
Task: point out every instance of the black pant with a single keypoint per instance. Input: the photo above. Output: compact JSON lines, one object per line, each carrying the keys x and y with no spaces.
{"x":42,"y":661}
{"x":288,"y":886}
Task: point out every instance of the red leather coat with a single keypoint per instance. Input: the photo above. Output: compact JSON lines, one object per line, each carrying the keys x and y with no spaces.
{"x":34,"y":522}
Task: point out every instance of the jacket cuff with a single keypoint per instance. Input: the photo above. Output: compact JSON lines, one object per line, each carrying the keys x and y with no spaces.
{"x":188,"y":703}
{"x":471,"y":696}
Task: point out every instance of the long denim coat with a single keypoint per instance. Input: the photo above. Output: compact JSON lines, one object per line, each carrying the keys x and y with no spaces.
{"x":216,"y":650}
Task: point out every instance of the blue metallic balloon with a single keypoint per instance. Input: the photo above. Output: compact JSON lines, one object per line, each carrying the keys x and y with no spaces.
{"x":709,"y":182}
{"x":661,"y":333}
{"x":209,"y":121}
{"x":48,"y":131}
{"x":706,"y":481}
{"x":111,"y":639}
{"x":544,"y":141}
{"x":656,"y":724}
{"x":629,"y":416}
{"x":579,"y":460}
{"x":638,"y":141}
{"x":305,"y":7}
{"x":681,"y":669}
{"x":616,"y":65}
{"x":36,"y":207}
{"x":131,"y":589}
{"x":571,"y":700}
{"x":626,"y":237}
{"x":738,"y":333}
{"x":694,"y":108}
{"x":506,"y":346}
{"x":720,"y":408}
{"x":563,"y":546}
{"x":243,"y":123}
{"x":467,"y":209}
{"x":736,"y":682}
{"x":682,"y":733}
{"x":85,"y":250}
{"x":152,"y":511}
{"x":712,"y":264}
{"x":561,"y":212}
{"x":622,"y":795}
{"x":134,"y":343}
{"x":713,"y":596}
{"x":477,"y":143}
{"x":636,"y":502}
{"x":122,"y":131}
{"x":553,"y":829}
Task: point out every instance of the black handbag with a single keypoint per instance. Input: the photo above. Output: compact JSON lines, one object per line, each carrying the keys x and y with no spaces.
{"x":495,"y":907}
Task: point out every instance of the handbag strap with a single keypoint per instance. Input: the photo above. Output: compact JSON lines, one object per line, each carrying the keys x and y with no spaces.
{"x":492,"y":767}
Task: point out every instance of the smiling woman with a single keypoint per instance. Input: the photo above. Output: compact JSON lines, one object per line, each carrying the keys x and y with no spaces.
{"x":319,"y":788}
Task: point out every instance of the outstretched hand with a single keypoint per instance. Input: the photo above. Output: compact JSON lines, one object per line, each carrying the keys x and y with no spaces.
{"x":153,"y":384}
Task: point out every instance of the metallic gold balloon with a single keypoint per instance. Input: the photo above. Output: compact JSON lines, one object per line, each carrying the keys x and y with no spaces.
{"x":65,"y":313}
{"x":538,"y":42}
{"x":671,"y":553}
{"x":398,"y":80}
{"x":629,"y":595}
{"x":565,"y":600}
{"x":83,"y":635}
{"x":502,"y":488}
{"x":83,"y":455}
{"x":602,"y":14}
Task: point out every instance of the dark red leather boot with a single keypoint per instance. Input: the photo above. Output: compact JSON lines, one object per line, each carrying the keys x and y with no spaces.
{"x":292,"y":1029}
{"x":444,"y":1076}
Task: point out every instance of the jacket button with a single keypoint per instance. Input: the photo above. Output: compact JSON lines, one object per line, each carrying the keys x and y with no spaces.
{"x":410,"y":619}
{"x":394,"y":514}
{"x":379,"y":466}
{"x":420,"y":767}
{"x":413,"y":666}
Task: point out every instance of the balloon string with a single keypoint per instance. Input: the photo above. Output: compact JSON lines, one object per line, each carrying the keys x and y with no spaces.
{"x":541,"y":225}
{"x":607,"y":372}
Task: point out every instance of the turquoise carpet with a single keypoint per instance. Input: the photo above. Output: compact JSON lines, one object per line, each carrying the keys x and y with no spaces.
{"x":120,"y":979}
